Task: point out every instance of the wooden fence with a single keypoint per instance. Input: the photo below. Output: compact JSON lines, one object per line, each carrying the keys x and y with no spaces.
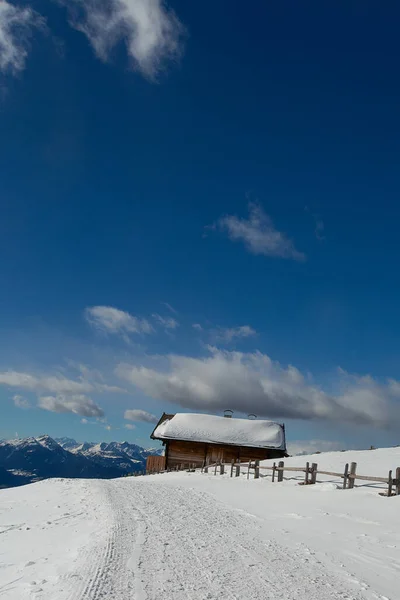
{"x":156,"y":464}
{"x":310,"y":471}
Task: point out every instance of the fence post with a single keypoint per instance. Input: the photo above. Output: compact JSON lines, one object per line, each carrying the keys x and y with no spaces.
{"x":398,"y":481}
{"x":238,"y":468}
{"x":390,"y":484}
{"x":215,"y":470}
{"x":206,"y":466}
{"x":306,"y":474}
{"x":346,"y":476}
{"x":248,"y":469}
{"x":273,"y":472}
{"x":257,"y":469}
{"x":221,"y":468}
{"x":353,"y":468}
{"x":281,"y":464}
{"x":314,"y":470}
{"x":232,"y":465}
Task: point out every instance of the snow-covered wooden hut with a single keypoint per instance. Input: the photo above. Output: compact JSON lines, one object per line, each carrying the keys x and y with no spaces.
{"x":196,"y":438}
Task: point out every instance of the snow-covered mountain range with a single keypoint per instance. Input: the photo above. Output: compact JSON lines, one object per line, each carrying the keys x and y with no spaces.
{"x":30,"y":459}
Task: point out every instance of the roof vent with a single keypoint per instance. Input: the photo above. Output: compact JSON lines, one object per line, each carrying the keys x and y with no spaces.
{"x":228,"y":413}
{"x":252,"y":416}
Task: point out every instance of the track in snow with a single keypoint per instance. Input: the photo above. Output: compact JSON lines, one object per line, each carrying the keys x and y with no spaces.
{"x":110,"y":567}
{"x":181,"y":544}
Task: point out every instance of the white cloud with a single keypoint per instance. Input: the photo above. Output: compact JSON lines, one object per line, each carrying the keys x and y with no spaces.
{"x":228,"y":335}
{"x":21,"y":402}
{"x":84,"y":421}
{"x":115,"y":321}
{"x":197,"y":326}
{"x":16,"y":29}
{"x":259,"y":234}
{"x":166,"y":322}
{"x":252,"y":382}
{"x":151,"y":32}
{"x":140,"y":416}
{"x":58,"y":393}
{"x":313,"y":446}
{"x":130,"y":426}
{"x":57,"y":384}
{"x":54,"y":384}
{"x":76,"y":403}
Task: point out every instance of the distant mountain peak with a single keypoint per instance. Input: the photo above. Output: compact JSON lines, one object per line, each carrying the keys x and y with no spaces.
{"x":65,"y":442}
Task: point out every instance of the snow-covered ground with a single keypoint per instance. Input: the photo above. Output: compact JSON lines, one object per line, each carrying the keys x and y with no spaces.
{"x":193,"y":536}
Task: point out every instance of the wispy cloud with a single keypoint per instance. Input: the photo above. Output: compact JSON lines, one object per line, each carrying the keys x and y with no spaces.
{"x":226,"y":334}
{"x":231,"y":333}
{"x":319,"y":229}
{"x":21,"y":402}
{"x":76,"y":403}
{"x":252,"y":382}
{"x":17,"y":26}
{"x":166,"y":322}
{"x":140,"y":416}
{"x":151,"y":32}
{"x":54,"y":384}
{"x":171,"y":308}
{"x":129,"y":426}
{"x":259,"y":234}
{"x":57,"y":384}
{"x":114,"y":321}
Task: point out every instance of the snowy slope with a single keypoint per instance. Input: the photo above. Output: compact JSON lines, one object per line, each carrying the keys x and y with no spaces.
{"x":194,"y":536}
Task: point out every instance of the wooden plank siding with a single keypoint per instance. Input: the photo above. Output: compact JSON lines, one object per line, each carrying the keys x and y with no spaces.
{"x":155,"y":464}
{"x":180,"y":452}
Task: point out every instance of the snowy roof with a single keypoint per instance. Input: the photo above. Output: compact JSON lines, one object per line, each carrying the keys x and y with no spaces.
{"x":220,"y":430}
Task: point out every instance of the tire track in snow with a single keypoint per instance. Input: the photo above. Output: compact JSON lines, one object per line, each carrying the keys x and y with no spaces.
{"x":109,"y":567}
{"x":181,"y":544}
{"x":198,"y":548}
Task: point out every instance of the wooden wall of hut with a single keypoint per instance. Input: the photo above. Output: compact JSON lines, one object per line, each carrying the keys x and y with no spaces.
{"x":178,"y":453}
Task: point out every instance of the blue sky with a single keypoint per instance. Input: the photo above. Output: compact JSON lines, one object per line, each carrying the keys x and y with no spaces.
{"x":199,"y":211}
